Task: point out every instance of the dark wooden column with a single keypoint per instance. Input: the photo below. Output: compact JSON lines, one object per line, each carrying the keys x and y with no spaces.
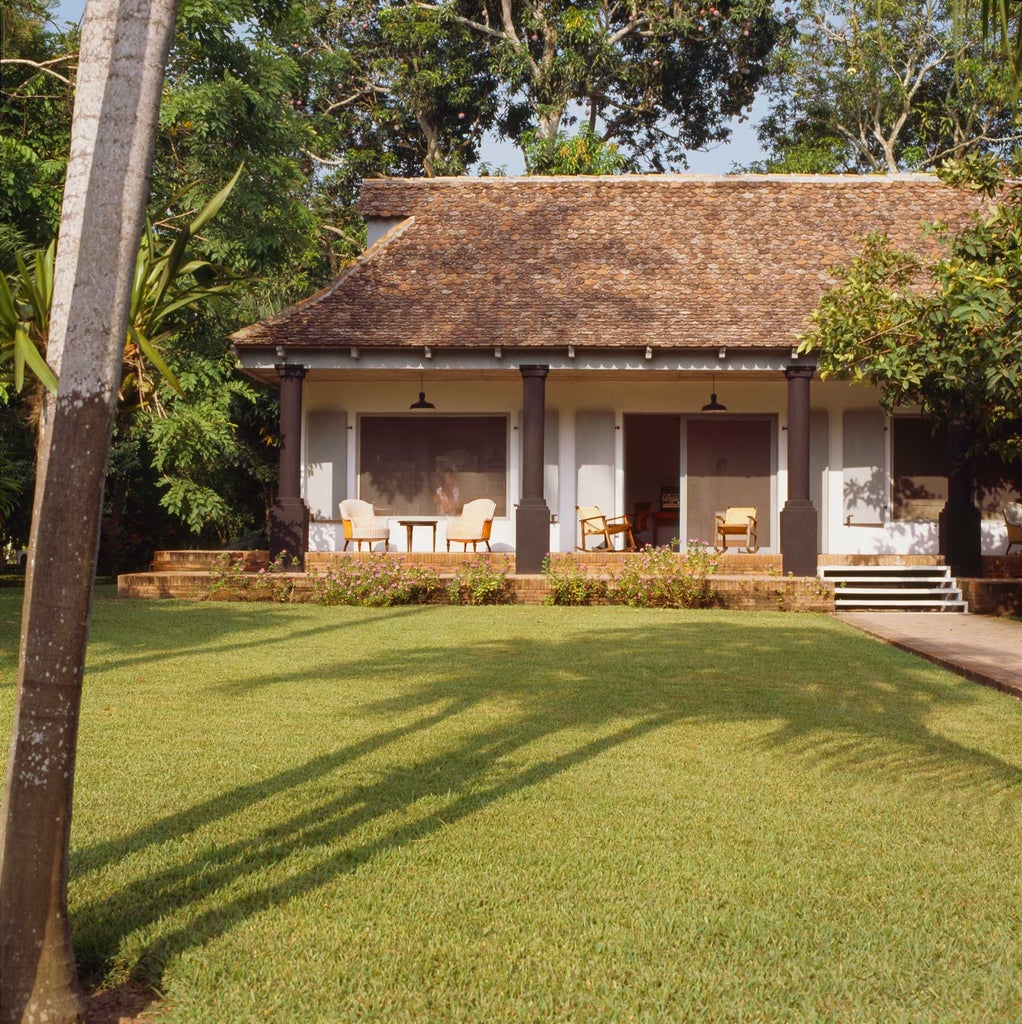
{"x":798,"y":516}
{"x":289,"y":516}
{"x":960,"y":529}
{"x":532,"y":520}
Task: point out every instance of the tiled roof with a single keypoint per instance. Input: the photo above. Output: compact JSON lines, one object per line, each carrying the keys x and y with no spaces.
{"x":673,"y":260}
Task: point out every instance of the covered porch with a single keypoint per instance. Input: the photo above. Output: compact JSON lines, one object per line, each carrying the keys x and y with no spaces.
{"x":541,"y":439}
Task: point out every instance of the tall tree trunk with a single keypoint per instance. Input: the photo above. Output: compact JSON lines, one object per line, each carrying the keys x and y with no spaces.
{"x":123,"y":53}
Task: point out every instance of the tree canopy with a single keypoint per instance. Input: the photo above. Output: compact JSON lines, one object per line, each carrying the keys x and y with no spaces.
{"x":885,"y":86}
{"x":1001,"y":21}
{"x":654,"y":78}
{"x":37,"y":66}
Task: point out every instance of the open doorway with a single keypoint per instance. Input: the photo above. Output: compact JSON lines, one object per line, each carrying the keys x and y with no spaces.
{"x":652,"y":470}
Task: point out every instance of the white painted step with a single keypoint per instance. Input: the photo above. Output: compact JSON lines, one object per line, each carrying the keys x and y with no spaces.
{"x":916,"y":606}
{"x":857,"y":593}
{"x":895,"y":587}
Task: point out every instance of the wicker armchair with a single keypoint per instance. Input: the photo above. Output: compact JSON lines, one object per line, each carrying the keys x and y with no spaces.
{"x":473,"y":525}
{"x":362,"y":525}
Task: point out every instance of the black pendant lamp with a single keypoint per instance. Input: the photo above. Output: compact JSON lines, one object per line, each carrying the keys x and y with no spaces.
{"x":713,"y":405}
{"x":422,"y":403}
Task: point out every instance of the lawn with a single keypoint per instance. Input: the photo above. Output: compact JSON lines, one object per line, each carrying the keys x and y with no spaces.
{"x":295,"y":813}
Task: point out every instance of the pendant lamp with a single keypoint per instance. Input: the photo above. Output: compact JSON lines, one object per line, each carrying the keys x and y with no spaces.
{"x":713,"y":405}
{"x":421,"y":403}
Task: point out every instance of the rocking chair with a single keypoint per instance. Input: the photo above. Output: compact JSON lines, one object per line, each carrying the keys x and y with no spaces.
{"x":593,"y":523}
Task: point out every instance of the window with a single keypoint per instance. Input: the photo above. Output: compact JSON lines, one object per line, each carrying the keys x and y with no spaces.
{"x":404,"y":460}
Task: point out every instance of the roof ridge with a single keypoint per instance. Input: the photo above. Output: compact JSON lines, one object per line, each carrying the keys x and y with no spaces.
{"x":652,"y":179}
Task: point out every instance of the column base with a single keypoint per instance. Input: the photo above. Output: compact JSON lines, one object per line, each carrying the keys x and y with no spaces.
{"x":961,"y":539}
{"x":532,"y":535}
{"x":289,"y":529}
{"x":799,"y":548}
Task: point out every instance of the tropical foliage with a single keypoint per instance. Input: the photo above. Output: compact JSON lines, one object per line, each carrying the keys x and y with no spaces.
{"x":1001,"y":21}
{"x":25,"y":320}
{"x":37,"y":65}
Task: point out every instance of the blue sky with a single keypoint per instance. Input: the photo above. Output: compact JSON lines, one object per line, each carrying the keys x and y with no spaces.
{"x":742,"y":148}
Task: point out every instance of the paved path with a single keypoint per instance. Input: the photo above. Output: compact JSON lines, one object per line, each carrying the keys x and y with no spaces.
{"x":983,"y":648}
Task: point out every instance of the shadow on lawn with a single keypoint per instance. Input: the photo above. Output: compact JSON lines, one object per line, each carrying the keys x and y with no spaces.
{"x":599,"y":689}
{"x":155,"y":632}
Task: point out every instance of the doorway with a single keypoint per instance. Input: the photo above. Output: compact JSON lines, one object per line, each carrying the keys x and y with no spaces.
{"x":727,"y":461}
{"x":652,"y":446}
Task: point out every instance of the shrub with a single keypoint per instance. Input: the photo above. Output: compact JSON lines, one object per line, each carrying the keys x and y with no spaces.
{"x":481,"y":582}
{"x":662,"y":578}
{"x":377,"y":582}
{"x":227,"y":574}
{"x":571,"y":584}
{"x":271,"y":581}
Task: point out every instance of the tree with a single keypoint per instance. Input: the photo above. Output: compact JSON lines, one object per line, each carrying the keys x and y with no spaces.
{"x":1001,"y":21}
{"x":944,"y":335}
{"x":415,"y":89}
{"x":37,"y":63}
{"x":883,"y":86}
{"x":164,"y":358}
{"x":656,"y":78}
{"x":124,"y":48}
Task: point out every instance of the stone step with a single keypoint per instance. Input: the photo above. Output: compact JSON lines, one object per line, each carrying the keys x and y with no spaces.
{"x":887,"y":572}
{"x":903,"y":592}
{"x":891,"y":604}
{"x":891,"y":581}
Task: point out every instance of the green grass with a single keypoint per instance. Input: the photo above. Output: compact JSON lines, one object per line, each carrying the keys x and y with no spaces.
{"x":294,"y":813}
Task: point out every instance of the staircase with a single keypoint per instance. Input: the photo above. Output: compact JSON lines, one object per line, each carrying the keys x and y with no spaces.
{"x":906,"y":588}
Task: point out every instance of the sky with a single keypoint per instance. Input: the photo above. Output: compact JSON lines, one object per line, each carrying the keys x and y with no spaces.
{"x":743,"y":147}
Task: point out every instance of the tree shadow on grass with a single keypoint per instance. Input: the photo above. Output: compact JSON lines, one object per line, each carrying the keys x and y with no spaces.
{"x":227,"y":629}
{"x":481,"y":712}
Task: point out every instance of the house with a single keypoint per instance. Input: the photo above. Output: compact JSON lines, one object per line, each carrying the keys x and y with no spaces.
{"x":553,"y":342}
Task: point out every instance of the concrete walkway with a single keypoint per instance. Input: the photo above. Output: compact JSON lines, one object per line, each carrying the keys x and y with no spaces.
{"x":983,"y":648}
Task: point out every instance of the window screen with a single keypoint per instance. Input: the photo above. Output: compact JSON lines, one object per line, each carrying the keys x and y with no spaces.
{"x":404,"y":459}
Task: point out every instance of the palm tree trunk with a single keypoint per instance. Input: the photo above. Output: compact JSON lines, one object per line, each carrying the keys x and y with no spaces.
{"x":123,"y":53}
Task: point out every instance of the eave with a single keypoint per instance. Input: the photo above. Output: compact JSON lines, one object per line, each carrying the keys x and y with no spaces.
{"x":477,"y":363}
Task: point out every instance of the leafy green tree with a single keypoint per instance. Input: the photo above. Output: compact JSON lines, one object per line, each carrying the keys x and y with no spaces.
{"x":945,"y":335}
{"x":656,"y":78}
{"x":177,"y":382}
{"x":413,"y":89}
{"x":884,"y":86}
{"x":1000,"y":21}
{"x":582,"y":153}
{"x":37,"y":65}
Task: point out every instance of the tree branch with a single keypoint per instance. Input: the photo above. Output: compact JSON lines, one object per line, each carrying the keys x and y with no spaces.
{"x":42,"y":66}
